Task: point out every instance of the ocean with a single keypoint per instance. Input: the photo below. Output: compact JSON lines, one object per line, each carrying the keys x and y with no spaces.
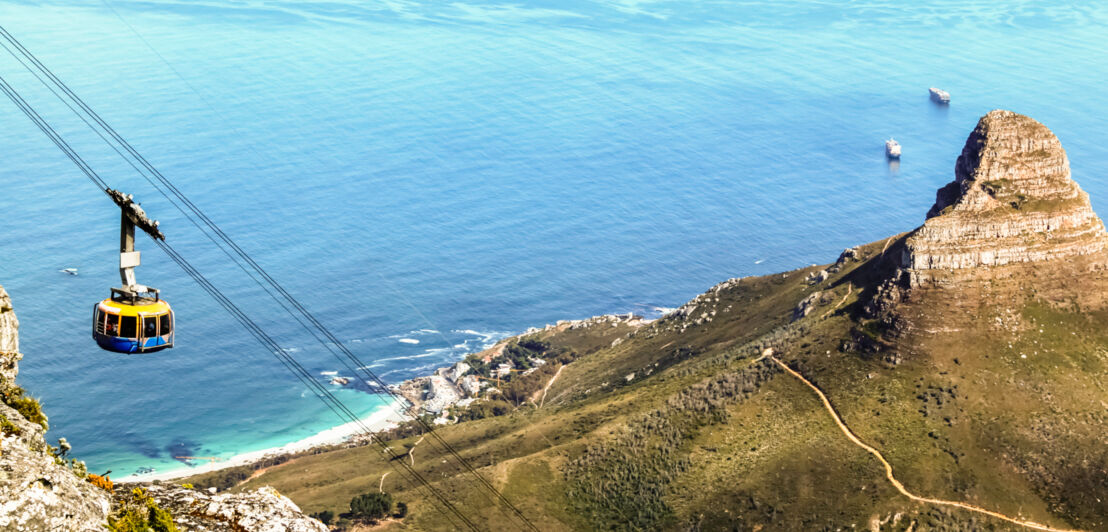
{"x":429,"y":177}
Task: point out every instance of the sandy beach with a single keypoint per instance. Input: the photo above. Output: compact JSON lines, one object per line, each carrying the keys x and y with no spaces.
{"x":383,"y":419}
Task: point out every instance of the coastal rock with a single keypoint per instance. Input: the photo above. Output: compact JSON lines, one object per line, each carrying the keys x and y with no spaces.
{"x":848,"y":255}
{"x":456,"y":371}
{"x":471,"y":385}
{"x":440,"y":395}
{"x":806,"y":305}
{"x":1012,"y":201}
{"x":36,"y":492}
{"x":261,"y":510}
{"x":612,"y":320}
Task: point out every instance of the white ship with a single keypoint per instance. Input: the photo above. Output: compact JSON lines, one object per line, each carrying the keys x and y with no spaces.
{"x":892,"y":149}
{"x":939,"y":95}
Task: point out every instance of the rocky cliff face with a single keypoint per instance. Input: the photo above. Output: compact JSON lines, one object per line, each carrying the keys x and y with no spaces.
{"x":9,"y":338}
{"x":261,"y":510}
{"x":36,"y":492}
{"x":1012,"y":202}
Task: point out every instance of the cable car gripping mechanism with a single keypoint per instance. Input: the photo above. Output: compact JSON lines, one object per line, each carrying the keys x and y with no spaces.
{"x":132,"y":216}
{"x":134,"y":213}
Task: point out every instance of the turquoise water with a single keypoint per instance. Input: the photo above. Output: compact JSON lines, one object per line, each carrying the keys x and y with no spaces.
{"x":452,"y":173}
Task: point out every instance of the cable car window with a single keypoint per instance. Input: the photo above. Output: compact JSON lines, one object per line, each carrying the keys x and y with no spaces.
{"x":127,"y":327}
{"x":167,"y":326}
{"x":150,"y":327}
{"x":112,"y":324}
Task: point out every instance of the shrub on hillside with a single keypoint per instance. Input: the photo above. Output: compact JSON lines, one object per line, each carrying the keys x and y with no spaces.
{"x":325,"y":517}
{"x":484,"y":409}
{"x":371,"y":505}
{"x":28,"y":407}
{"x":624,"y":479}
{"x":141,"y":514}
{"x":9,"y":428}
{"x":520,"y":389}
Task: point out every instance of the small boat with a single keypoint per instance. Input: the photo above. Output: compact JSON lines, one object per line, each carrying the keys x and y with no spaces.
{"x":939,"y":95}
{"x":892,"y":149}
{"x":70,"y":271}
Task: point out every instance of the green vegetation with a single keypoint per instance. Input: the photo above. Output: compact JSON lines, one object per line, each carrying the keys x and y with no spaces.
{"x":28,"y":407}
{"x":675,"y":426}
{"x":325,"y":517}
{"x":140,"y":513}
{"x":484,"y":409}
{"x":371,"y":506}
{"x":623,"y":480}
{"x":9,"y":428}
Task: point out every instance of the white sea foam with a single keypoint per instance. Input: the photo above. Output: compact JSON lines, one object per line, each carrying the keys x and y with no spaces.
{"x":408,"y":341}
{"x":328,"y":373}
{"x":425,"y":354}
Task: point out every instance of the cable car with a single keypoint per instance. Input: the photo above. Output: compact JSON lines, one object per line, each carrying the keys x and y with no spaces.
{"x":127,"y":324}
{"x":134,"y":319}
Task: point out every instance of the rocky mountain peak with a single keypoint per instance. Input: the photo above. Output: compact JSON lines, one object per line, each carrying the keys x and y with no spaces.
{"x":1012,"y":201}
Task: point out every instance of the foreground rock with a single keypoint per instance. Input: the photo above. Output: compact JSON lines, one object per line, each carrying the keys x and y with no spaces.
{"x":36,"y":492}
{"x":261,"y":510}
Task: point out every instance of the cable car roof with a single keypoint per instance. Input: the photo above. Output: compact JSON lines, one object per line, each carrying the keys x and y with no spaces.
{"x":125,"y":309}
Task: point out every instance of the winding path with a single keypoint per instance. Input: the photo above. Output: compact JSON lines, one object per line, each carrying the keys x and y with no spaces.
{"x":889,"y":468}
{"x":412,"y":450}
{"x":547,"y":387}
{"x":849,"y":290}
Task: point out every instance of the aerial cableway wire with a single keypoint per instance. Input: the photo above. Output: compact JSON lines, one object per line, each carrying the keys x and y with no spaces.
{"x":305,"y":377}
{"x":330,"y":341}
{"x":321,"y":392}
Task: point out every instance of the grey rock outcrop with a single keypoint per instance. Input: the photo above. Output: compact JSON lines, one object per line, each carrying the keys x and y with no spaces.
{"x":9,"y":338}
{"x":806,"y":305}
{"x":260,"y":510}
{"x":36,"y":492}
{"x":1012,"y":201}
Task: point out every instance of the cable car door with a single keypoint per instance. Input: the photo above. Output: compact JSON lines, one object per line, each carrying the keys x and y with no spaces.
{"x":148,"y":328}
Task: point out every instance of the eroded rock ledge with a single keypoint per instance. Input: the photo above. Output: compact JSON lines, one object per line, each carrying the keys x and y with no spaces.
{"x":260,"y":510}
{"x":36,"y":492}
{"x":1012,"y":201}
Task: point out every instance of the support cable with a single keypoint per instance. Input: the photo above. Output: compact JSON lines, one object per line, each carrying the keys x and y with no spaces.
{"x":333,"y":403}
{"x":358,"y":364}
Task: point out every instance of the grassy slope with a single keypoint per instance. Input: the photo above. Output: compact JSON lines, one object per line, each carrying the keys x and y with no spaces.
{"x":962,"y":417}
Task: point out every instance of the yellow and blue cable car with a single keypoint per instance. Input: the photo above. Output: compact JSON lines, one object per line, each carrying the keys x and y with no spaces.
{"x":134,"y":319}
{"x":126,"y":325}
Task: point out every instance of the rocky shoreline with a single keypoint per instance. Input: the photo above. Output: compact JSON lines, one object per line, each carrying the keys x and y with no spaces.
{"x":435,"y":394}
{"x":457,"y":385}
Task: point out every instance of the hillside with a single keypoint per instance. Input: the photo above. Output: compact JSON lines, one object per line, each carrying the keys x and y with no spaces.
{"x":969,"y":354}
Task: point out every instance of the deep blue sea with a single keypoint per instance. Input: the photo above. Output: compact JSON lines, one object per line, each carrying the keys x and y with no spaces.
{"x":455,"y":172}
